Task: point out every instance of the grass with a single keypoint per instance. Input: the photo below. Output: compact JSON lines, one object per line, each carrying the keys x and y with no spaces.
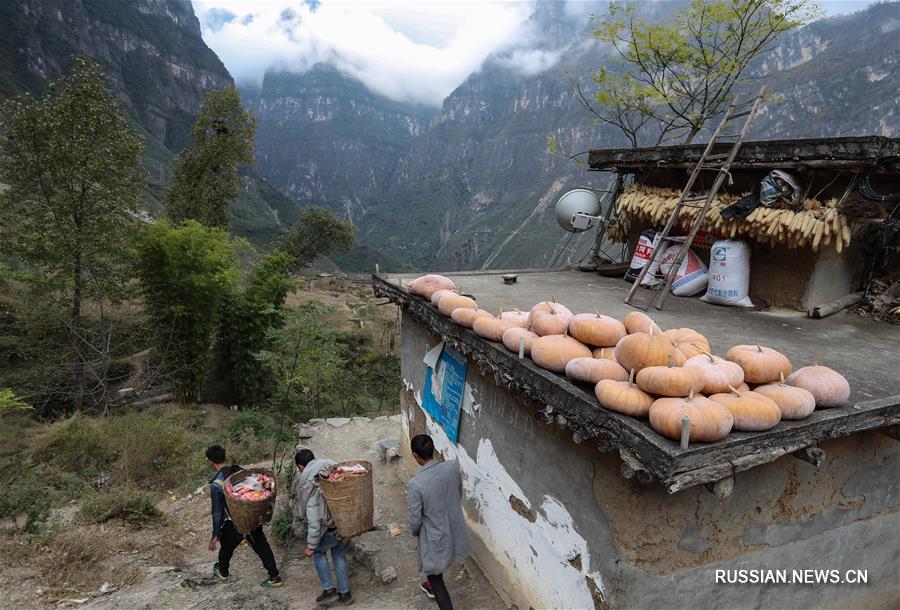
{"x":128,"y":504}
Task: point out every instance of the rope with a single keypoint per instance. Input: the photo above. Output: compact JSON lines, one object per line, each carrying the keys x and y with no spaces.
{"x":865,"y":182}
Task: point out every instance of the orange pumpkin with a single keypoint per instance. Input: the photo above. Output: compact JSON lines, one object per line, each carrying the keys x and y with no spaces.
{"x":511,"y":339}
{"x":638,"y":322}
{"x":688,"y":343}
{"x":669,"y":380}
{"x":465,"y":316}
{"x":717,"y":374}
{"x":752,"y":412}
{"x":710,"y":421}
{"x":828,"y":387}
{"x":452,"y":301}
{"x":438,"y":294}
{"x":594,"y":329}
{"x":640,"y":350}
{"x":605,"y":353}
{"x":553,"y":352}
{"x":592,"y":370}
{"x":623,"y":397}
{"x":794,"y":402}
{"x":760,"y":364}
{"x":549,"y":318}
{"x":515,"y":315}
{"x":492,"y":328}
{"x":427,"y":285}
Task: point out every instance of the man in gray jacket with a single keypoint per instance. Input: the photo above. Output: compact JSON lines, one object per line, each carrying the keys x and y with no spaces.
{"x":434,"y":494}
{"x":321,"y":534}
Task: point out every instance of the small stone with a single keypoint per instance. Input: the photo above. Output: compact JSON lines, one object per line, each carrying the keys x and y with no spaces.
{"x":337,"y":422}
{"x":389,"y":574}
{"x":388,"y":448}
{"x":201,"y":491}
{"x":104,"y":588}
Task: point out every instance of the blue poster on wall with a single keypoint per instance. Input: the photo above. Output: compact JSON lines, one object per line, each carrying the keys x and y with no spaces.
{"x":445,"y":383}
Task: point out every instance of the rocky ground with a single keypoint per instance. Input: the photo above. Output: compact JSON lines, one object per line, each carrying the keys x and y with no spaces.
{"x":384,"y":570}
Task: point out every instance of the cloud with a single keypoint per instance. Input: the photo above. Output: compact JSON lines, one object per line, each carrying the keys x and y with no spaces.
{"x":410,"y":51}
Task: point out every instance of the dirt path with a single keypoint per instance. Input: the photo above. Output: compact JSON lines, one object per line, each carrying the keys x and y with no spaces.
{"x":192,"y":586}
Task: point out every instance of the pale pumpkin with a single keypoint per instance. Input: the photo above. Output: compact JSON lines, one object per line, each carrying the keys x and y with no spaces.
{"x":553,"y":352}
{"x":438,"y":294}
{"x":794,"y":402}
{"x":623,"y":397}
{"x":465,"y":316}
{"x":492,"y":329}
{"x":828,"y":387}
{"x":511,"y":339}
{"x":452,"y":301}
{"x":717,"y":374}
{"x":427,"y":285}
{"x":549,"y":318}
{"x":710,"y":421}
{"x":515,"y":315}
{"x":675,"y":381}
{"x":688,"y":343}
{"x":592,"y":370}
{"x":595,"y":329}
{"x":605,"y":353}
{"x":760,"y":364}
{"x":752,"y":412}
{"x":638,"y":322}
{"x":640,"y":350}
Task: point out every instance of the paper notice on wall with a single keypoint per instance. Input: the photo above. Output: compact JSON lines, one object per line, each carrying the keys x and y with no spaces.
{"x":445,"y":385}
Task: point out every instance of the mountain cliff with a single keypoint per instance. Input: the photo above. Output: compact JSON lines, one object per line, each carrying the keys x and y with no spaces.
{"x":159,"y":66}
{"x":472,"y":185}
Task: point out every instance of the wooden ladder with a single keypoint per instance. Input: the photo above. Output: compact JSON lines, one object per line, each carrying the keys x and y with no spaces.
{"x":720,"y":163}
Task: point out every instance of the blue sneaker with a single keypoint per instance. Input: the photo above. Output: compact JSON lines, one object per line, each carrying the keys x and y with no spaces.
{"x":271,"y":583}
{"x":217,"y":572}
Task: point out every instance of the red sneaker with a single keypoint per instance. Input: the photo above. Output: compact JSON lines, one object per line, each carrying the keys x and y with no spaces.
{"x":426,"y":589}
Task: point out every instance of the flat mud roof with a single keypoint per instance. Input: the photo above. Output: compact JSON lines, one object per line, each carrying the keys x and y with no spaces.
{"x":867,"y":353}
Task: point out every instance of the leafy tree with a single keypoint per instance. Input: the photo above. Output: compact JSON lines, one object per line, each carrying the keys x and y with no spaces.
{"x":185,"y":274}
{"x":678,"y":73}
{"x":317,"y":232}
{"x":70,"y":161}
{"x":206,"y":176}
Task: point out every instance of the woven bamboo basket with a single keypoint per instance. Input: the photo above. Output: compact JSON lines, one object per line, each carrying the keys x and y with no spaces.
{"x":249,"y":514}
{"x":351,"y":501}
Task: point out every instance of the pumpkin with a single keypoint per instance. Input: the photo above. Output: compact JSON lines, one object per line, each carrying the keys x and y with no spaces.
{"x":594,"y":329}
{"x":492,"y":328}
{"x":828,"y":387}
{"x":794,"y":402}
{"x":718,"y":375}
{"x":427,"y":285}
{"x":511,"y":339}
{"x":688,"y":343}
{"x":641,"y":350}
{"x":592,"y":370}
{"x":710,"y":421}
{"x":623,"y":397}
{"x":760,"y":364}
{"x":438,"y":294}
{"x":605,"y":353}
{"x":638,"y":322}
{"x":669,"y":380}
{"x":553,"y":352}
{"x":549,"y":318}
{"x":752,"y":412}
{"x":452,"y":301}
{"x":515,"y":315}
{"x":465,"y":316}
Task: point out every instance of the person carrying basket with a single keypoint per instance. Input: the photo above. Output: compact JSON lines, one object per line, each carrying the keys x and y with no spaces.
{"x":224,"y":533}
{"x":321,"y":531}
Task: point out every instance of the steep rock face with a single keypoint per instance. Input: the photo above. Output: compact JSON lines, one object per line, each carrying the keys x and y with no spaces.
{"x":159,"y":66}
{"x":322,"y":136}
{"x":151,"y":49}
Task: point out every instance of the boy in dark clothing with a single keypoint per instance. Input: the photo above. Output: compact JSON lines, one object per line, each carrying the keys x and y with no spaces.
{"x":224,"y":532}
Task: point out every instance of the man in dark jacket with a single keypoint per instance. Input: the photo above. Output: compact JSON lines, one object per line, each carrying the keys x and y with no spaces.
{"x":224,"y":532}
{"x":434,"y":495}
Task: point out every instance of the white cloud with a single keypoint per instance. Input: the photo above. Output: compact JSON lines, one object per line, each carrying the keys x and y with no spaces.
{"x":414,"y":51}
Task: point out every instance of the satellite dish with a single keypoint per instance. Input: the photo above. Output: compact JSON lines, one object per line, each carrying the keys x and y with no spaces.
{"x":578,"y":210}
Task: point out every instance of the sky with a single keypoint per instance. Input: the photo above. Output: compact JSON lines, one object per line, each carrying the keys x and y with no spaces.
{"x":416,"y":51}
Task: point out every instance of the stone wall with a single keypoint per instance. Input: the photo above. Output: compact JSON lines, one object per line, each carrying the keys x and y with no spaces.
{"x":554,"y":525}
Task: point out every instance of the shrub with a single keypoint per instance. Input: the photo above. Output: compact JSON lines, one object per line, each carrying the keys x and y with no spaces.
{"x":76,"y":444}
{"x":185,"y":272}
{"x":152,"y":452}
{"x":260,"y":424}
{"x":124,"y":503}
{"x":25,"y":497}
